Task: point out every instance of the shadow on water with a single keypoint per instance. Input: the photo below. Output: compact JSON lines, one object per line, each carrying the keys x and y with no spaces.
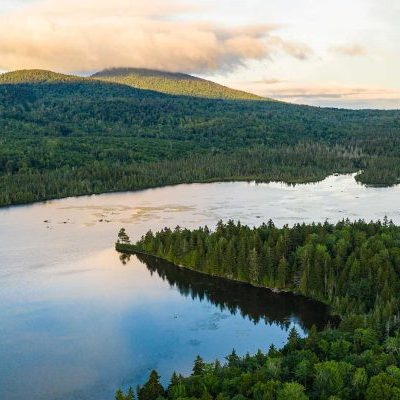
{"x":255,"y":303}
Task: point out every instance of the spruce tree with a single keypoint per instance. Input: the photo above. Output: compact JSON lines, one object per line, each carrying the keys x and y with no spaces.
{"x":130,"y":395}
{"x":152,"y":389}
{"x":119,"y":395}
{"x":198,"y":367}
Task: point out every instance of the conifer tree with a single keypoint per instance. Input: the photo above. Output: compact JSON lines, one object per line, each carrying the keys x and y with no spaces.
{"x":198,"y":367}
{"x":152,"y":389}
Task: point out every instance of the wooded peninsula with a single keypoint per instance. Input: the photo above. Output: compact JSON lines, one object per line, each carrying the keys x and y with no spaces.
{"x":354,"y":267}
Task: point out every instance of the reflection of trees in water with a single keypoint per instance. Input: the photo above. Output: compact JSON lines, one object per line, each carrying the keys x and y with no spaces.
{"x":255,"y":303}
{"x":124,"y":258}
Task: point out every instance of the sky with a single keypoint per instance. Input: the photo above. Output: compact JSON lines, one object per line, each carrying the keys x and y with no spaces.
{"x":340,"y":53}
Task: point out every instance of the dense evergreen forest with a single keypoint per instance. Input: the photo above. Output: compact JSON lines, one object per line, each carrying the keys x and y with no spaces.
{"x":172,"y":83}
{"x":354,"y":267}
{"x":62,"y":135}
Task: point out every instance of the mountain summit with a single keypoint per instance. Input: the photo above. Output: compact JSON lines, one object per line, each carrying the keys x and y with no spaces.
{"x":36,"y":76}
{"x":172,"y":83}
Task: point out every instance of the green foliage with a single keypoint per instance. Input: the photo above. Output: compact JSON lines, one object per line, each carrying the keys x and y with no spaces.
{"x":352,"y":266}
{"x":275,"y":375}
{"x":152,"y":389}
{"x":36,"y":76}
{"x":119,"y":395}
{"x":385,"y":385}
{"x":292,"y":391}
{"x":62,"y":135}
{"x":172,"y":83}
{"x":358,"y":360}
{"x":123,"y":237}
{"x":198,"y":367}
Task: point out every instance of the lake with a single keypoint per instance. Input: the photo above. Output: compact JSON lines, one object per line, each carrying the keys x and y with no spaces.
{"x":76,"y":321}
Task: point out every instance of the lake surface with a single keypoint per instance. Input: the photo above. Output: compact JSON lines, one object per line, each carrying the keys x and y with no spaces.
{"x":76,"y":321}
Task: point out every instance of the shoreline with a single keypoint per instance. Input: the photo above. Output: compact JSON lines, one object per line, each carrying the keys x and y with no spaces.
{"x":194,"y":182}
{"x":129,"y":249}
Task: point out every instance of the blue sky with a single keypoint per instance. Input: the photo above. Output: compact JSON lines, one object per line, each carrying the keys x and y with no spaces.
{"x":330,"y":53}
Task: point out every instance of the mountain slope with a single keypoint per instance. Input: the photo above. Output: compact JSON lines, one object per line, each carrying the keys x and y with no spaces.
{"x":172,"y":83}
{"x":63,"y":135}
{"x":36,"y":76}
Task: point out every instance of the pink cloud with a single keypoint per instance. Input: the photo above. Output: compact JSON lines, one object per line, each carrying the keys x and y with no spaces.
{"x":76,"y":35}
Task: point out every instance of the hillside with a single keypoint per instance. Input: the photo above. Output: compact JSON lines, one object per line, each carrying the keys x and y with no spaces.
{"x":64,"y":135}
{"x":172,"y":83}
{"x":36,"y":76}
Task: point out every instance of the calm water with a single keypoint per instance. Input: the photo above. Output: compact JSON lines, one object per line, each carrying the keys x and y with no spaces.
{"x":76,"y":322}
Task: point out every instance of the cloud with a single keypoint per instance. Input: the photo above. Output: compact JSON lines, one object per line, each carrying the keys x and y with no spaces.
{"x":267,"y":81}
{"x":336,"y":96}
{"x":352,"y":50}
{"x":295,"y":93}
{"x":294,"y":49}
{"x":77,"y":35}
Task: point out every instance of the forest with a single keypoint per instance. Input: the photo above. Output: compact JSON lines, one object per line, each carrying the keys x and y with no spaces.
{"x":172,"y":83}
{"x":62,"y":135}
{"x":354,"y":267}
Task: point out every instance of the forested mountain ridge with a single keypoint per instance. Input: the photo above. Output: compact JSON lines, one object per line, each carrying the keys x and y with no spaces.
{"x":172,"y":83}
{"x":36,"y":76}
{"x":64,"y":135}
{"x":352,"y":266}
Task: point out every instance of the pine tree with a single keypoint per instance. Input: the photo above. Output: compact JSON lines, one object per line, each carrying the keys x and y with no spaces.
{"x":198,"y":367}
{"x":130,"y":395}
{"x":123,"y":237}
{"x":152,"y":388}
{"x":293,"y":339}
{"x":233,"y":359}
{"x":254,"y":269}
{"x":119,"y":395}
{"x":282,"y":273}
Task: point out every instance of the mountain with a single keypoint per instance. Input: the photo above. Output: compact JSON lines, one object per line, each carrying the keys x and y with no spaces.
{"x":159,"y":81}
{"x":36,"y":76}
{"x":172,"y":83}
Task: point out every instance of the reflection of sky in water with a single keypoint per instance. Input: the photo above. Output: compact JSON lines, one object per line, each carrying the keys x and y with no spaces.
{"x":73,"y":319}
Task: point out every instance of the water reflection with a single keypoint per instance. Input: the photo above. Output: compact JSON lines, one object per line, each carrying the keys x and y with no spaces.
{"x":257,"y":304}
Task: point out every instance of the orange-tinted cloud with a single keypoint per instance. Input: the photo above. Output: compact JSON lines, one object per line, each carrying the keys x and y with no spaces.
{"x":352,"y":50}
{"x":268,"y":81}
{"x":77,"y":35}
{"x":324,"y":94}
{"x":334,"y":91}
